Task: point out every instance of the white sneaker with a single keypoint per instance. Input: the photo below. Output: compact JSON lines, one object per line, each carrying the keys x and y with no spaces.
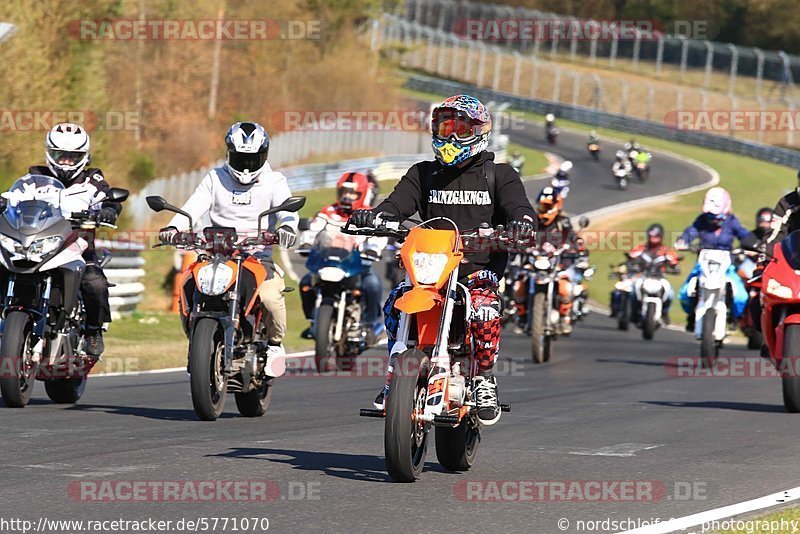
{"x":276,"y":361}
{"x":486,"y":400}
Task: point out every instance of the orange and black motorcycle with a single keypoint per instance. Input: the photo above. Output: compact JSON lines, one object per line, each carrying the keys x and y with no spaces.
{"x":431,"y":365}
{"x":221,"y":314}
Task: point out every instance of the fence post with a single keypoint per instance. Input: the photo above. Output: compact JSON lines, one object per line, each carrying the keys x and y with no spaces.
{"x":684,"y":55}
{"x":734,"y":67}
{"x":734,"y":107}
{"x":442,"y":51}
{"x":481,"y":65}
{"x":470,"y":54}
{"x":709,"y":62}
{"x":557,"y":85}
{"x":573,"y":43}
{"x":517,"y":69}
{"x":759,"y":70}
{"x":593,"y":45}
{"x":790,"y":131}
{"x":660,"y":53}
{"x":440,"y":24}
{"x":554,"y":40}
{"x":650,"y":94}
{"x":498,"y":62}
{"x":612,"y":57}
{"x":428,"y":51}
{"x":534,"y":76}
{"x":637,"y":44}
{"x":624,"y":105}
{"x":576,"y":87}
{"x":598,"y":92}
{"x":762,"y":107}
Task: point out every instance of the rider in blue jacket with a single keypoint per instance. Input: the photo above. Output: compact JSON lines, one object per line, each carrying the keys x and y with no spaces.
{"x":716,"y":228}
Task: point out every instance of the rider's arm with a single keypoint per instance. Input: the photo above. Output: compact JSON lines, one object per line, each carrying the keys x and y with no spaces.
{"x":783,"y":211}
{"x":280,"y":194}
{"x":197,"y":205}
{"x":511,"y":202}
{"x":746,"y":237}
{"x":97,"y":180}
{"x":404,"y":201}
{"x":690,"y":234}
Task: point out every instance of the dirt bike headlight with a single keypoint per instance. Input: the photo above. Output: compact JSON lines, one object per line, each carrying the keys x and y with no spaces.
{"x":11,"y":245}
{"x":42,"y":247}
{"x":542,"y":263}
{"x":428,"y":268}
{"x":214,"y":279}
{"x":779,"y":290}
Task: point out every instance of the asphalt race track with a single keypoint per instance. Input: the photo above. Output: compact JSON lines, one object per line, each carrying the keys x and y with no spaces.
{"x":606,"y":409}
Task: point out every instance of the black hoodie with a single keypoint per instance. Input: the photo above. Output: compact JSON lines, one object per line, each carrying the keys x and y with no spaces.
{"x":462,"y":194}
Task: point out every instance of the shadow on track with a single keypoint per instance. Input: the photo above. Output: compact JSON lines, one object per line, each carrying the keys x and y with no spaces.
{"x":162,"y":414}
{"x":722,"y":405}
{"x":349,"y":466}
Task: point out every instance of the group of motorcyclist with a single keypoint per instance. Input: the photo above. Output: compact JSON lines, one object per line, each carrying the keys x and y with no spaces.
{"x":233,"y":195}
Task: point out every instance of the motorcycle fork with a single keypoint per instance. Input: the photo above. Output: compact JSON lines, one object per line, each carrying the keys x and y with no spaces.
{"x":232,"y":325}
{"x":342,"y":306}
{"x":437,"y":397}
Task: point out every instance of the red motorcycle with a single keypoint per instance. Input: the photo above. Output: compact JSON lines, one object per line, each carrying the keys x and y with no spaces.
{"x":780,"y":319}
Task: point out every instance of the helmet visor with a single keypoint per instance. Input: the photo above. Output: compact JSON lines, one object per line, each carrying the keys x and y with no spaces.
{"x":348,"y":195}
{"x":246,"y":162}
{"x":448,"y":122}
{"x":66,"y":158}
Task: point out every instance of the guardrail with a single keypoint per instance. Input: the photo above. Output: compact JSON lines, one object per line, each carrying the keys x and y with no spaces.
{"x":124,"y":272}
{"x":782,"y":156}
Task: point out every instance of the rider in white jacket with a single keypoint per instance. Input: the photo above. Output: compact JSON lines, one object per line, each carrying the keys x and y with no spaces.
{"x":234,"y":195}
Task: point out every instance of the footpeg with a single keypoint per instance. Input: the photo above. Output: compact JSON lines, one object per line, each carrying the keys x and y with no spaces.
{"x":505,"y":407}
{"x":445,"y":420}
{"x":371,"y":412}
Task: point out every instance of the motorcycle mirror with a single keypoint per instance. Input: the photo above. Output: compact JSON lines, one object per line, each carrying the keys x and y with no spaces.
{"x":158,"y":204}
{"x":304,"y":224}
{"x":117,"y":194}
{"x":290,"y":204}
{"x":3,"y":204}
{"x":583,"y":222}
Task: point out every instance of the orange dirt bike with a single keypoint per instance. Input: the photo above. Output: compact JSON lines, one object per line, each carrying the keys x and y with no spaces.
{"x":431,"y":366}
{"x":227,"y":345}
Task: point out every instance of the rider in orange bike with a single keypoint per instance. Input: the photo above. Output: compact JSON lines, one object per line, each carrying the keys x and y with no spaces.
{"x":555,"y":230}
{"x":465,"y":185}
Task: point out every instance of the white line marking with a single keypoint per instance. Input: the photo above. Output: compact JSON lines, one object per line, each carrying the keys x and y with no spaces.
{"x":302,"y":354}
{"x":682,"y":523}
{"x":623,"y":450}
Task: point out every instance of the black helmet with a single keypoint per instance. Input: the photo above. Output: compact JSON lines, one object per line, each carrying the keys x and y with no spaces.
{"x":655,"y":234}
{"x":764,"y":217}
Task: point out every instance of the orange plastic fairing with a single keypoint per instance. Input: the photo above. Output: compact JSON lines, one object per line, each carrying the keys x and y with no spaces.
{"x":417,"y":300}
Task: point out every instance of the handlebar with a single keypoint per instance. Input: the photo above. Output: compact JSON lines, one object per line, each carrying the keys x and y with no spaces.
{"x":194,"y":241}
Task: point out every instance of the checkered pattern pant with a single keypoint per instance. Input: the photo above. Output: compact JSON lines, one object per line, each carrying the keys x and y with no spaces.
{"x":484,"y":317}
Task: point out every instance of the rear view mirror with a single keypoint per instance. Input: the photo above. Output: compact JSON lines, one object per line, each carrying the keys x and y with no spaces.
{"x":583,"y":222}
{"x":290,"y":204}
{"x":304,"y":224}
{"x":158,"y":204}
{"x":117,"y":194}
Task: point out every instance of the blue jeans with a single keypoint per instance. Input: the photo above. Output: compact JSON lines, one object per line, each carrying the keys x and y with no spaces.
{"x":739,"y":291}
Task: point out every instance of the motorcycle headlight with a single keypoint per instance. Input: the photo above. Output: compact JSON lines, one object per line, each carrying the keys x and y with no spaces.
{"x":42,"y":247}
{"x":332,"y":274}
{"x":542,"y":263}
{"x":779,"y":290}
{"x":428,"y":268}
{"x":214,"y":279}
{"x":651,"y":286}
{"x":11,"y":245}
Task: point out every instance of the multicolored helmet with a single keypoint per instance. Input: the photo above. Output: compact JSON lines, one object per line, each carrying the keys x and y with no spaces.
{"x":717,"y":203}
{"x":461,"y":127}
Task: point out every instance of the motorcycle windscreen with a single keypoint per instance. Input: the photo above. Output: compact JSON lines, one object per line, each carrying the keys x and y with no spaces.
{"x":335,"y":249}
{"x":791,"y":249}
{"x":30,"y":217}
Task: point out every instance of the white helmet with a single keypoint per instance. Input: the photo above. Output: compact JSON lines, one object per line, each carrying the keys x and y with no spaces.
{"x":549,"y":117}
{"x":620,"y":154}
{"x":67,"y":151}
{"x":248,"y":147}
